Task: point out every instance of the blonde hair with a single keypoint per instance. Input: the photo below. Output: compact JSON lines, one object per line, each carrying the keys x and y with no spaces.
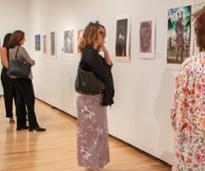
{"x":89,"y":35}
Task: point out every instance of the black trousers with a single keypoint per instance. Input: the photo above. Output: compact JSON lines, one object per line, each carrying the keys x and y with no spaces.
{"x":20,"y":109}
{"x":9,"y":92}
{"x":25,"y":88}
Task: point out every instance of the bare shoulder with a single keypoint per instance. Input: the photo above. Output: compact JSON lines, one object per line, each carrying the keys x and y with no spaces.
{"x":3,"y":50}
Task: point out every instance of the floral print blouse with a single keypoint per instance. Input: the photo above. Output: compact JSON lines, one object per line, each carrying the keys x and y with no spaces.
{"x":188,"y":115}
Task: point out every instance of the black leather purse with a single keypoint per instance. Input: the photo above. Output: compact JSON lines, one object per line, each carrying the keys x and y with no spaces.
{"x":18,"y":68}
{"x":87,"y":83}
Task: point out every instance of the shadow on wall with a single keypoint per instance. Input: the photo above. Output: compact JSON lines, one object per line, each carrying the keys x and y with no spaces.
{"x":162,"y":113}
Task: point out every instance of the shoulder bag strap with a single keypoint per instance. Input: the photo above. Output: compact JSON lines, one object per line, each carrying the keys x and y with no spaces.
{"x":7,"y":54}
{"x":17,"y":52}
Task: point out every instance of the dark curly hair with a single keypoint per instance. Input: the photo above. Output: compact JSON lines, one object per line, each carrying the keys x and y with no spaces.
{"x":199,"y":24}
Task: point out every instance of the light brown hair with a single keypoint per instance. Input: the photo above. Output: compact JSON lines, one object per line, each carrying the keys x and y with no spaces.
{"x":89,"y":35}
{"x":199,"y":24}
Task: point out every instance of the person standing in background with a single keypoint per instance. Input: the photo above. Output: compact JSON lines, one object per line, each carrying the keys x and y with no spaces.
{"x":24,"y":85}
{"x":7,"y":82}
{"x":92,"y":128}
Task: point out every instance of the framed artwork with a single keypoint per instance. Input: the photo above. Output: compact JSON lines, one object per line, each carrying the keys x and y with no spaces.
{"x":37,"y":42}
{"x":69,"y":42}
{"x":178,"y":34}
{"x":146,"y":34}
{"x":122,"y":38}
{"x":44,"y":44}
{"x":78,"y":39}
{"x":53,"y":43}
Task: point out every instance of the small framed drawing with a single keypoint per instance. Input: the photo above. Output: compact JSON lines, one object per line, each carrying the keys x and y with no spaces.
{"x":122,"y":37}
{"x":68,"y":47}
{"x":146,"y":38}
{"x":44,"y":44}
{"x":53,"y":44}
{"x":37,"y":42}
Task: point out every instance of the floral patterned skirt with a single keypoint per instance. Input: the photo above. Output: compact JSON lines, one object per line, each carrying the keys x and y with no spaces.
{"x":92,"y":132}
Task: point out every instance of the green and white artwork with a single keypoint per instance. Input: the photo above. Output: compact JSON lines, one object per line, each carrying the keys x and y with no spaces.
{"x":178,"y":34}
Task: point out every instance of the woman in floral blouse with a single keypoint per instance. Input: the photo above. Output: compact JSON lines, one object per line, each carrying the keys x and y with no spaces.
{"x":188,"y":109}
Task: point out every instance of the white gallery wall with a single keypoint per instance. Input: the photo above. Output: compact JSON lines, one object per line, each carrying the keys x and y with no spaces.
{"x":144,"y":88}
{"x":13,"y":15}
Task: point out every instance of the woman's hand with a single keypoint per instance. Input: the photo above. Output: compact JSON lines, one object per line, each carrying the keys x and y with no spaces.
{"x":106,"y":55}
{"x":103,"y":48}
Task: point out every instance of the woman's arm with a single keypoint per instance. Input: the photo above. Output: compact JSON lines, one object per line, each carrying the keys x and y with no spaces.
{"x":4,"y":58}
{"x":93,"y":59}
{"x":106,"y":55}
{"x":24,"y":54}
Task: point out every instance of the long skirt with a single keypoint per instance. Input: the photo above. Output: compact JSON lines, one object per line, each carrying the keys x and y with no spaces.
{"x":92,"y":132}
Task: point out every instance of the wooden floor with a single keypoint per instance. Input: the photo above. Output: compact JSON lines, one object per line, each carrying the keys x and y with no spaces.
{"x":55,"y":149}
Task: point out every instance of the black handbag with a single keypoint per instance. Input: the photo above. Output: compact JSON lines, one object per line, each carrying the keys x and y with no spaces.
{"x":18,"y":67}
{"x":87,"y":83}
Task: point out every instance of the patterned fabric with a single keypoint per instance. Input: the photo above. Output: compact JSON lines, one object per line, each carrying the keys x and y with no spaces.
{"x":188,"y":115}
{"x":92,"y":132}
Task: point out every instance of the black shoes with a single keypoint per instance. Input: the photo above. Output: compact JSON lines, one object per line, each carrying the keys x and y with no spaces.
{"x":21,"y":128}
{"x":37,"y":129}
